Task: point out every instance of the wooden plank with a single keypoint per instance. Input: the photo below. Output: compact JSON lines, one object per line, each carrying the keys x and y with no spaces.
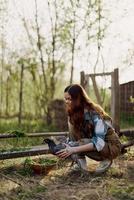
{"x":82,"y":79}
{"x":38,"y":150}
{"x":87,"y":83}
{"x":35,"y":134}
{"x":115,"y":100}
{"x":101,"y":74}
{"x":127,"y":132}
{"x":43,"y":149}
{"x":98,"y":97}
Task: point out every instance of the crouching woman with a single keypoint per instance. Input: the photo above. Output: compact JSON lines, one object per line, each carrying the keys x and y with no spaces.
{"x":90,"y":127}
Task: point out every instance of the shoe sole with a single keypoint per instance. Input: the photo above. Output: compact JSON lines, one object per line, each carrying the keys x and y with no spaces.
{"x":103,"y":170}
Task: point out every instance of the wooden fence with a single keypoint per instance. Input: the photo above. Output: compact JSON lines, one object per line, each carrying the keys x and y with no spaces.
{"x":35,"y":150}
{"x":41,"y":149}
{"x":115,"y":90}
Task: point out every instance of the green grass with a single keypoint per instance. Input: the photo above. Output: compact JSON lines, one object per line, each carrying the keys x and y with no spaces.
{"x":123,"y":193}
{"x":14,"y":149}
{"x":27,"y":126}
{"x":42,"y":161}
{"x":19,"y":143}
{"x":126,"y":121}
{"x":30,"y":192}
{"x":11,"y":127}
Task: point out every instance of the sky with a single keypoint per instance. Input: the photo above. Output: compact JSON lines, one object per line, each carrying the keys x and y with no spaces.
{"x":120,"y":37}
{"x":118,"y":41}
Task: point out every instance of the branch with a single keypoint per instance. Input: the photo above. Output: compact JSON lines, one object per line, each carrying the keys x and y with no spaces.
{"x":39,"y":45}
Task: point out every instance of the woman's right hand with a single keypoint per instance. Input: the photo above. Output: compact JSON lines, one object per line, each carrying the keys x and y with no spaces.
{"x":64,"y":153}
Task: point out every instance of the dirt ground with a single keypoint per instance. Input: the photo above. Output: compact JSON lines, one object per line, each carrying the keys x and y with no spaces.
{"x":62,"y":183}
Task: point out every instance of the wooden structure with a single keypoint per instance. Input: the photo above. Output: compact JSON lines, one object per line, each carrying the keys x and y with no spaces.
{"x":127,"y":98}
{"x":57,"y":115}
{"x":31,"y":151}
{"x":43,"y":149}
{"x":5,"y":135}
{"x":115,"y":93}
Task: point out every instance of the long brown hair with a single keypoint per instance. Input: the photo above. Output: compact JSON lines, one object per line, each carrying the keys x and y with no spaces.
{"x":80,"y":101}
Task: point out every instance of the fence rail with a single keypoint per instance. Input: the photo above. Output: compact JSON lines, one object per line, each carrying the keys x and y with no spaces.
{"x":5,"y":135}
{"x":41,"y":149}
{"x":37,"y":150}
{"x":32,"y":151}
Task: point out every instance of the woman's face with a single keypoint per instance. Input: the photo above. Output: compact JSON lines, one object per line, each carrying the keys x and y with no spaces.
{"x":68,"y":100}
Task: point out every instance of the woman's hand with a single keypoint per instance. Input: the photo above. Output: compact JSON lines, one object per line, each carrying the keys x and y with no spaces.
{"x":64,"y":153}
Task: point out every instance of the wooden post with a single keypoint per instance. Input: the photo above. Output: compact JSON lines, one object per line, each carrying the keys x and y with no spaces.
{"x":115,"y":99}
{"x":21,"y":93}
{"x":87,"y":83}
{"x":115,"y":93}
{"x":98,"y":97}
{"x":84,"y":81}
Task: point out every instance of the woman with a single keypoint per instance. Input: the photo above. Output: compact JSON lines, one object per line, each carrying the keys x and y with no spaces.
{"x":90,"y":126}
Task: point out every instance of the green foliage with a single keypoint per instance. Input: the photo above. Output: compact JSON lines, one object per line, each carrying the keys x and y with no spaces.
{"x":22,"y":142}
{"x":27,"y":161}
{"x":27,"y":126}
{"x":17,"y":133}
{"x":18,"y":144}
{"x":43,"y":161}
{"x":123,"y":193}
{"x":73,"y":20}
{"x":30,"y":192}
{"x":40,"y":188}
{"x":26,"y":170}
{"x":14,"y":149}
{"x":126,"y":120}
{"x":116,"y":172}
{"x":30,"y":163}
{"x":46,"y":161}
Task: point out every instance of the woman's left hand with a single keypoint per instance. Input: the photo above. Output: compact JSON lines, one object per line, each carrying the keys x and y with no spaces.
{"x":64,"y":153}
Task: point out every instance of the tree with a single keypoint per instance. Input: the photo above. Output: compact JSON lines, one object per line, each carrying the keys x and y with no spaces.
{"x":21,"y":62}
{"x":3,"y":21}
{"x":48,"y":52}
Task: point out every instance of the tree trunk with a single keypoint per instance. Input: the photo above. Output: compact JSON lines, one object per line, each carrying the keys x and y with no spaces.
{"x":40,"y":48}
{"x":21,"y":94}
{"x":72,"y":61}
{"x":1,"y":78}
{"x":54,"y":35}
{"x":73,"y":49}
{"x":7,"y":97}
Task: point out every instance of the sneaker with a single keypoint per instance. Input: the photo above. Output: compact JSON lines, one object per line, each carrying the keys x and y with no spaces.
{"x":76,"y":167}
{"x":103,"y":166}
{"x":80,"y":165}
